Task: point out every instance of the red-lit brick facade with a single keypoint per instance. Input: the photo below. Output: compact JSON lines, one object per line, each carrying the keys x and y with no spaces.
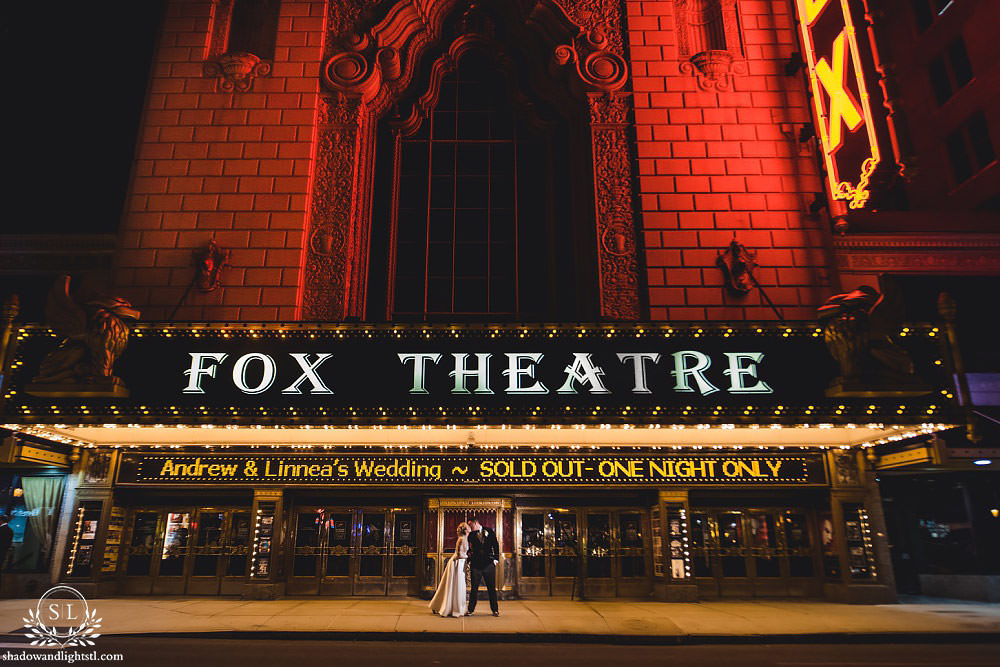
{"x":721,"y":164}
{"x":714,"y":162}
{"x":233,"y":166}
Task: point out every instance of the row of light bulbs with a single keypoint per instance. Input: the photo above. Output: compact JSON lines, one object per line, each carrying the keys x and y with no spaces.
{"x":314,"y":330}
{"x":900,"y":432}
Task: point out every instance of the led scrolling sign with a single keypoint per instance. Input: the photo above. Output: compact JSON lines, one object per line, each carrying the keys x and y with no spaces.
{"x":837,"y":63}
{"x":471,"y":470}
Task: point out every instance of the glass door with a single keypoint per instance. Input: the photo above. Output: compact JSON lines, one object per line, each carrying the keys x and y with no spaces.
{"x":173,"y":555}
{"x":372,"y":553}
{"x":533,"y":554}
{"x":800,"y":547}
{"x":144,"y":531}
{"x":342,"y":551}
{"x":754,"y":552}
{"x":604,"y":550}
{"x":308,"y":550}
{"x":336,"y":555}
{"x":632,"y":570}
{"x":599,"y":550}
{"x":719,"y":552}
{"x":156,"y":551}
{"x":219,"y":551}
{"x":236,"y":552}
{"x":403,"y":562}
{"x":179,"y":551}
{"x":206,"y":552}
{"x":567,"y":554}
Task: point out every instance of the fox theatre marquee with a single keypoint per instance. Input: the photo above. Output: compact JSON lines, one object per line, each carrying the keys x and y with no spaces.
{"x":643,"y":460}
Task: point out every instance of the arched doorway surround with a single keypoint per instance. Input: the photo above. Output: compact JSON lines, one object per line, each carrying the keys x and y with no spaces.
{"x":373,"y":56}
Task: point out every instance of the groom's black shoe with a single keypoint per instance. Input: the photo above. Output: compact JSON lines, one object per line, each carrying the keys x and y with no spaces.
{"x":496,"y":613}
{"x":468,"y":613}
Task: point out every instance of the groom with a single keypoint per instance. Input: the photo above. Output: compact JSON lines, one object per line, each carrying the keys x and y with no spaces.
{"x":484,"y":554}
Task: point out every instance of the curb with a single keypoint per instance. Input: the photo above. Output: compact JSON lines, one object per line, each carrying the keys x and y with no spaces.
{"x":567,"y":638}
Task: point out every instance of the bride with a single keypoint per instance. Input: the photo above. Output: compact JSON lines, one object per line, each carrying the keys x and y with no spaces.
{"x":450,"y":598}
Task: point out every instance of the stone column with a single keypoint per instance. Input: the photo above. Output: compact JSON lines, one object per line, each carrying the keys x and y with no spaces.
{"x":335,"y":255}
{"x":853,"y":486}
{"x":617,"y":251}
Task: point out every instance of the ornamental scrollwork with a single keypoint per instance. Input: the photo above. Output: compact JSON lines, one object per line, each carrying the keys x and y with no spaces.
{"x":596,"y":66}
{"x":236,"y":72}
{"x":372,"y":56}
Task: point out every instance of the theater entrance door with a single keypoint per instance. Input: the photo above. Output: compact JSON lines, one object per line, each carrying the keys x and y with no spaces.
{"x":603,"y":552}
{"x":354,"y":551}
{"x":755,"y":552}
{"x":185,"y":550}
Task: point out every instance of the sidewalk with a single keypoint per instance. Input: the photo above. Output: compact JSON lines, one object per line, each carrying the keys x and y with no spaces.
{"x":542,"y":620}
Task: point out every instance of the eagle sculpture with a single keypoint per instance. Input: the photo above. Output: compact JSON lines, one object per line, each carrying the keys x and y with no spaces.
{"x":859,"y":329}
{"x":94,"y":333}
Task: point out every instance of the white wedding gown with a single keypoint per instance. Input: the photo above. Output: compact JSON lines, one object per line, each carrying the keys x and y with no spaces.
{"x":450,"y":598}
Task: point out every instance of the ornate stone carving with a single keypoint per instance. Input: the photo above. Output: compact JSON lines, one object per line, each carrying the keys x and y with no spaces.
{"x":98,"y":466}
{"x":606,"y":14}
{"x":334,"y":244}
{"x":222,"y":14}
{"x":235,"y":72}
{"x":596,"y":66}
{"x":708,"y":42}
{"x":845,"y":468}
{"x":859,"y":329}
{"x":95,"y":332}
{"x":371,"y":59}
{"x":617,"y":249}
{"x":714,"y":69}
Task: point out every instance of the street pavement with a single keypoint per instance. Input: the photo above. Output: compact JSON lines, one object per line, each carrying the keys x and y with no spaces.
{"x":194,"y":652}
{"x":537,"y":620}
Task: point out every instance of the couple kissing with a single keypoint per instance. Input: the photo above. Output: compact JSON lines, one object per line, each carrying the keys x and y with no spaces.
{"x":478,"y":546}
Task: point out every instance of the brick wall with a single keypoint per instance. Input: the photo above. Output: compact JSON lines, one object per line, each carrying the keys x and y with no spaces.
{"x":714,"y":165}
{"x":230,"y":166}
{"x":236,"y":167}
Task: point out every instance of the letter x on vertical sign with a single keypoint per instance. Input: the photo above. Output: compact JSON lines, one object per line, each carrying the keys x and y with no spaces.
{"x":838,"y":111}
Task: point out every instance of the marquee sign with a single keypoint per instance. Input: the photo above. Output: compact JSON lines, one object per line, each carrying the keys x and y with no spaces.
{"x":838,"y":63}
{"x":471,"y":470}
{"x":288,"y":375}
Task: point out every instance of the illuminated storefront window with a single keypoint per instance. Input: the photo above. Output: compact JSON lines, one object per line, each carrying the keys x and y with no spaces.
{"x":32,"y":502}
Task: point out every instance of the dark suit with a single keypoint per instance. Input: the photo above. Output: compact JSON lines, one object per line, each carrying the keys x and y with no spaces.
{"x":484,"y":552}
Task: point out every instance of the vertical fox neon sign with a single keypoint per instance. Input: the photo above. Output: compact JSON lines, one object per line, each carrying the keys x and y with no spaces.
{"x":840,"y":98}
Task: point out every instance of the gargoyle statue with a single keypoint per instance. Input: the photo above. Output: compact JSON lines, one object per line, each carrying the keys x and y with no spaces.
{"x":209,"y":263}
{"x":94,"y":333}
{"x":737,"y":266}
{"x":858,"y":328}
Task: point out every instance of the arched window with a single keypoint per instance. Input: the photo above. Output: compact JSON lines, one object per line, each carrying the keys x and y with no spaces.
{"x":253,"y":27}
{"x":477,"y":210}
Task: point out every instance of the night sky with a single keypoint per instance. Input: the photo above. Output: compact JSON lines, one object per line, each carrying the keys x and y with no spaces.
{"x":74,"y":84}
